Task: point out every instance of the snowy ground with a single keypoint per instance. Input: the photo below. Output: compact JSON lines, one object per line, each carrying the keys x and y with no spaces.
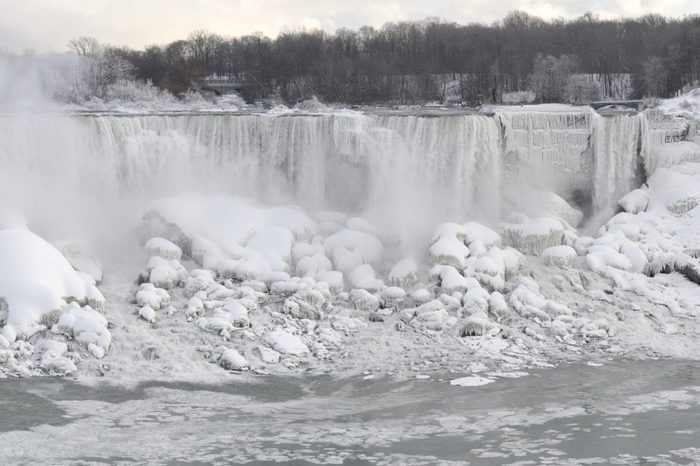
{"x":219,"y":284}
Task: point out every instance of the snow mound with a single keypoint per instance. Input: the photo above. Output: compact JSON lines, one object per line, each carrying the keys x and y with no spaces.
{"x":286,"y":343}
{"x":163,"y":248}
{"x":533,"y":236}
{"x":635,"y":201}
{"x":562,"y":256}
{"x":37,"y":280}
{"x":312,"y":105}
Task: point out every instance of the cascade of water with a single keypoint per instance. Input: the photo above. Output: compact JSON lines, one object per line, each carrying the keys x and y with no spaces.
{"x":616,"y":144}
{"x":546,"y":149}
{"x":400,"y":170}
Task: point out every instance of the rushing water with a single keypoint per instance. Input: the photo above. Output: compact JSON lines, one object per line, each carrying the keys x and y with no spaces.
{"x":627,"y":413}
{"x":448,"y":166}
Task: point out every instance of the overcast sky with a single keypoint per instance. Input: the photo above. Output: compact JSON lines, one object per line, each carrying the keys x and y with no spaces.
{"x":49,"y":24}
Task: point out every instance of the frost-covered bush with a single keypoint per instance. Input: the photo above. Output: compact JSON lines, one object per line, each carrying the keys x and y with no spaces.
{"x":581,"y":88}
{"x":128,"y":90}
{"x":518,"y":97}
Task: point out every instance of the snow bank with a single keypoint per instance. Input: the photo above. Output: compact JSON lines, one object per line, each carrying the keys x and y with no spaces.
{"x":36,"y":281}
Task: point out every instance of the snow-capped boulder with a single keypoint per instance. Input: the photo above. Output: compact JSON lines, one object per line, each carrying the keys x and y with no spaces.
{"x":285,"y":343}
{"x":36,"y":280}
{"x":635,"y":201}
{"x":404,"y":273}
{"x":163,"y":248}
{"x":562,"y":256}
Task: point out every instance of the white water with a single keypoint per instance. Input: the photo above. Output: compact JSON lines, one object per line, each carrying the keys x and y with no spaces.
{"x":616,"y":142}
{"x":400,"y":171}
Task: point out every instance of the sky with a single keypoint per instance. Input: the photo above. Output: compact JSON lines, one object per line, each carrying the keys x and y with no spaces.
{"x":45,"y":25}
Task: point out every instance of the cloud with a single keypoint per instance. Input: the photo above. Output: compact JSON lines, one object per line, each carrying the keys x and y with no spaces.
{"x":49,"y":24}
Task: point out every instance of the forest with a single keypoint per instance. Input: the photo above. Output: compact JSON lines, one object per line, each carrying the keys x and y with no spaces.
{"x":522,"y":58}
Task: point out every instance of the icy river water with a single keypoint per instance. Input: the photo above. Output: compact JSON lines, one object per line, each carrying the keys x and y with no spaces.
{"x":639,"y":413}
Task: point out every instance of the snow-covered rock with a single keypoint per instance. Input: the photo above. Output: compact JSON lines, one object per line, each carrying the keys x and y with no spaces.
{"x":285,"y":343}
{"x":163,"y":248}
{"x":36,"y":280}
{"x":563,"y":256}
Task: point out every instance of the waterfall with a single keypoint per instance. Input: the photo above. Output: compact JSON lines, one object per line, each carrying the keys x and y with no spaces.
{"x":547,"y":149}
{"x":399,"y":170}
{"x":617,"y":143}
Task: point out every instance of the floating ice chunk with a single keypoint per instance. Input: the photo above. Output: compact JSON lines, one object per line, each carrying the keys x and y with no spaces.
{"x":472,"y":381}
{"x":404,"y":273}
{"x":148,"y":314}
{"x":285,"y":343}
{"x":363,"y":277}
{"x":635,"y":201}
{"x":163,"y":248}
{"x":562,"y":256}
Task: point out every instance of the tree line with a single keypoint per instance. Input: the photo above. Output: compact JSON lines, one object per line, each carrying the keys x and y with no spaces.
{"x":418,"y":61}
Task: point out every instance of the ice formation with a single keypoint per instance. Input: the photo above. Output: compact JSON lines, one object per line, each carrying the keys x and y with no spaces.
{"x":413,"y":241}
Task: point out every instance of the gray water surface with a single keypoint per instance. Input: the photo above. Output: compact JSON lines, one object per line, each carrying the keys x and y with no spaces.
{"x":636,"y":413}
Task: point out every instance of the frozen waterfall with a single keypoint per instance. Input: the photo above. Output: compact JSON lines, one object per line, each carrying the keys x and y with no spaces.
{"x":400,"y":170}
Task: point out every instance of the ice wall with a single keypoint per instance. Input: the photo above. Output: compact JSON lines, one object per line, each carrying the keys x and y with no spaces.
{"x":548,"y":149}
